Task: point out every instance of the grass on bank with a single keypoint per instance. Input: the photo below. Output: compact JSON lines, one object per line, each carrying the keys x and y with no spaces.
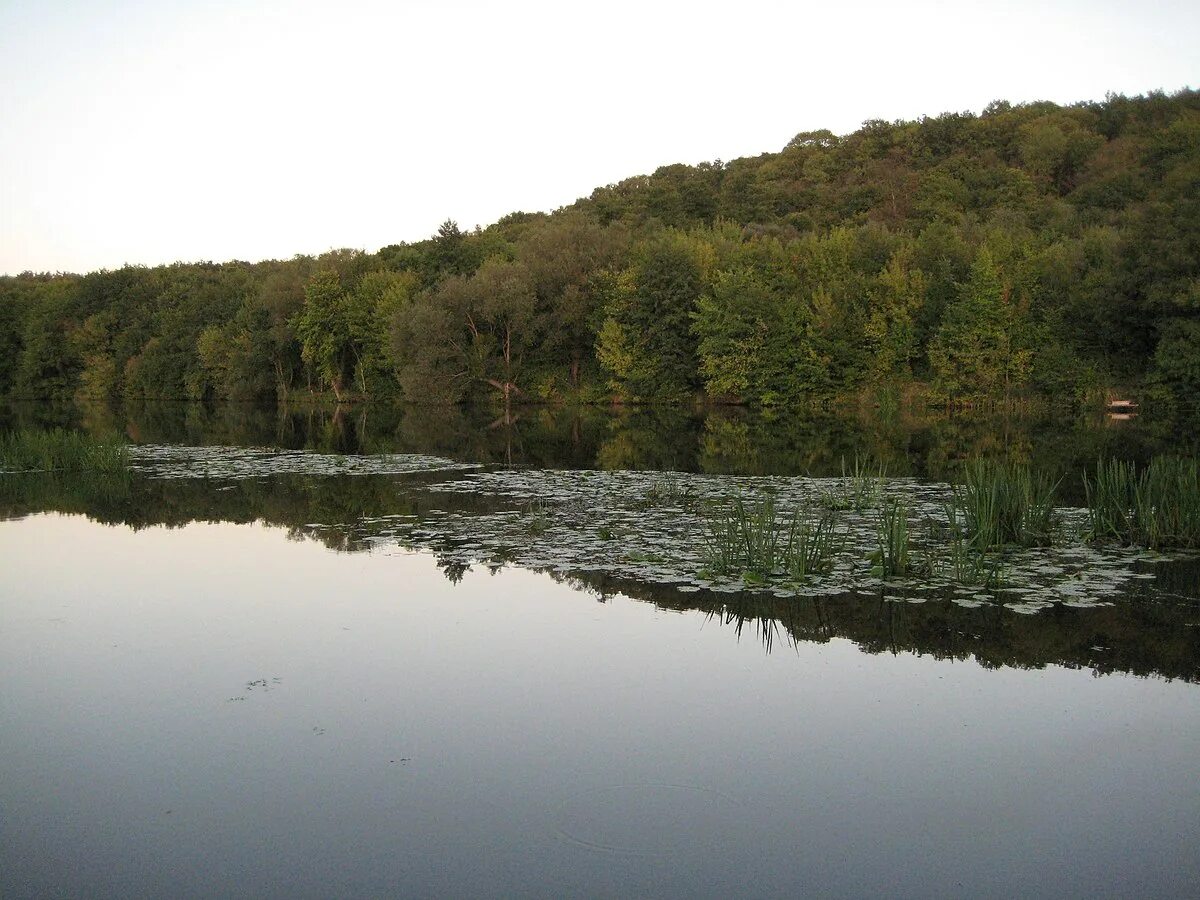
{"x":60,"y":450}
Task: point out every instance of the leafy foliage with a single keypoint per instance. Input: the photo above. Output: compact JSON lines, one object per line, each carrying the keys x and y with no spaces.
{"x":1032,"y":248}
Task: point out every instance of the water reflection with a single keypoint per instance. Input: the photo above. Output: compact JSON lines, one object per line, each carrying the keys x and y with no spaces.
{"x":1152,"y":628}
{"x":401,"y":737}
{"x":721,"y":440}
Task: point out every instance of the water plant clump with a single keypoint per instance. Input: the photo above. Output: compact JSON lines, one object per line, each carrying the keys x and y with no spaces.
{"x":749,"y":539}
{"x":859,"y":489}
{"x":670,"y":492}
{"x":60,"y":450}
{"x":812,"y":545}
{"x":892,"y":558}
{"x":951,"y":557}
{"x":1157,"y":508}
{"x":744,"y":537}
{"x":1006,"y":503}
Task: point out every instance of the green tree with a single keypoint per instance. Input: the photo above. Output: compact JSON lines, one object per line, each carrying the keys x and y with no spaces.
{"x":646,"y":341}
{"x":975,"y":352}
{"x":323,"y":327}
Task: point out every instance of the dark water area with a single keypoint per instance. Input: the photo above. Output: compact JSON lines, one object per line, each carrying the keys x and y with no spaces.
{"x":716,"y":440}
{"x":422,"y":653}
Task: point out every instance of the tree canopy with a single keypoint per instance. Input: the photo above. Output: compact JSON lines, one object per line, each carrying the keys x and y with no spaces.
{"x":1029,"y":248}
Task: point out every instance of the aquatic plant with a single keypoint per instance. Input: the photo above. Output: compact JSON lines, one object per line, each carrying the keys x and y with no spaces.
{"x":950,"y":556}
{"x":858,"y":489}
{"x":669,"y":492}
{"x":811,"y":545}
{"x":60,"y":450}
{"x":891,"y":533}
{"x":537,"y":519}
{"x":1157,"y":508}
{"x":748,"y":539}
{"x":1006,"y":503}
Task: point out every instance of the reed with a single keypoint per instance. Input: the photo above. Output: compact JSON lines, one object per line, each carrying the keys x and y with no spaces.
{"x":950,"y":556}
{"x":859,"y":488}
{"x":891,"y":531}
{"x":59,"y":450}
{"x":749,"y":539}
{"x":812,"y":545}
{"x":1157,"y":508}
{"x":1006,"y":503}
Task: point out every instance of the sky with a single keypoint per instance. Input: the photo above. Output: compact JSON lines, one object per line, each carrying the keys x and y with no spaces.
{"x":150,"y":132}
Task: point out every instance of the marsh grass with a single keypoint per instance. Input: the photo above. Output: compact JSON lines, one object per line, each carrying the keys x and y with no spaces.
{"x":59,"y":450}
{"x":750,"y":539}
{"x":537,"y":518}
{"x":893,"y":556}
{"x":1006,"y":503}
{"x":1157,"y":508}
{"x":669,"y":492}
{"x":812,"y":545}
{"x":950,"y":556}
{"x":859,"y":488}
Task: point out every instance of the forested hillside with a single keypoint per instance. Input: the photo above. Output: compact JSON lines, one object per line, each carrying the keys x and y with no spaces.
{"x":1030,"y":249}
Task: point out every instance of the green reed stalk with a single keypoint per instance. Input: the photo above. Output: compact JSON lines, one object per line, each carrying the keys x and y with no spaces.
{"x":1006,"y":503}
{"x":891,"y":531}
{"x":811,"y":546}
{"x":1157,"y":508}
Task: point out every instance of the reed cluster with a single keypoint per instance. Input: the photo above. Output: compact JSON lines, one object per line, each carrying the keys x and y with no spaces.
{"x":750,"y":538}
{"x":949,"y":555}
{"x":892,"y":557}
{"x":1157,"y":508}
{"x":1006,"y":503}
{"x":859,"y":488}
{"x":59,"y":450}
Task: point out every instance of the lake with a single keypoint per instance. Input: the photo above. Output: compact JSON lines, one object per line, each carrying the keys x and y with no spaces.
{"x":435,"y":653}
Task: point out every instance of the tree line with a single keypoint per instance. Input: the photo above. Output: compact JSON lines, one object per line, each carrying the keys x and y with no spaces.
{"x":1031,"y":249}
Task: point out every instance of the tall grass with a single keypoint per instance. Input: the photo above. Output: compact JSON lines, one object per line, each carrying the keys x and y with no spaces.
{"x":859,"y":488}
{"x":1157,"y":508}
{"x":891,"y":532}
{"x":949,"y":555}
{"x":744,"y":537}
{"x":1006,"y":503}
{"x":59,"y":450}
{"x":812,"y":545}
{"x":749,"y":538}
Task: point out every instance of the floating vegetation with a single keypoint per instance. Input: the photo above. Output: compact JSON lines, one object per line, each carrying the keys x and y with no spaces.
{"x":60,"y":450}
{"x":260,"y":462}
{"x":1006,"y":503}
{"x":777,"y":539}
{"x":1157,"y":508}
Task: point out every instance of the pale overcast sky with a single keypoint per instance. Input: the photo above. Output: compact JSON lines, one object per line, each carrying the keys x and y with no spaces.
{"x":147,"y":132}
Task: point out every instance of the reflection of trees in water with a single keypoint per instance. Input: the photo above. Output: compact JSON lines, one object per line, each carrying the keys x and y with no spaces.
{"x":718,"y":440}
{"x":1134,"y":635}
{"x":1142,"y":637}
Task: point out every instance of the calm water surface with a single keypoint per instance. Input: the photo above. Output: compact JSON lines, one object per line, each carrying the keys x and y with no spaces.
{"x":200,"y":695}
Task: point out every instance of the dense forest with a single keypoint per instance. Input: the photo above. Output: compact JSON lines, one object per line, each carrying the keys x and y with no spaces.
{"x":1030,"y":250}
